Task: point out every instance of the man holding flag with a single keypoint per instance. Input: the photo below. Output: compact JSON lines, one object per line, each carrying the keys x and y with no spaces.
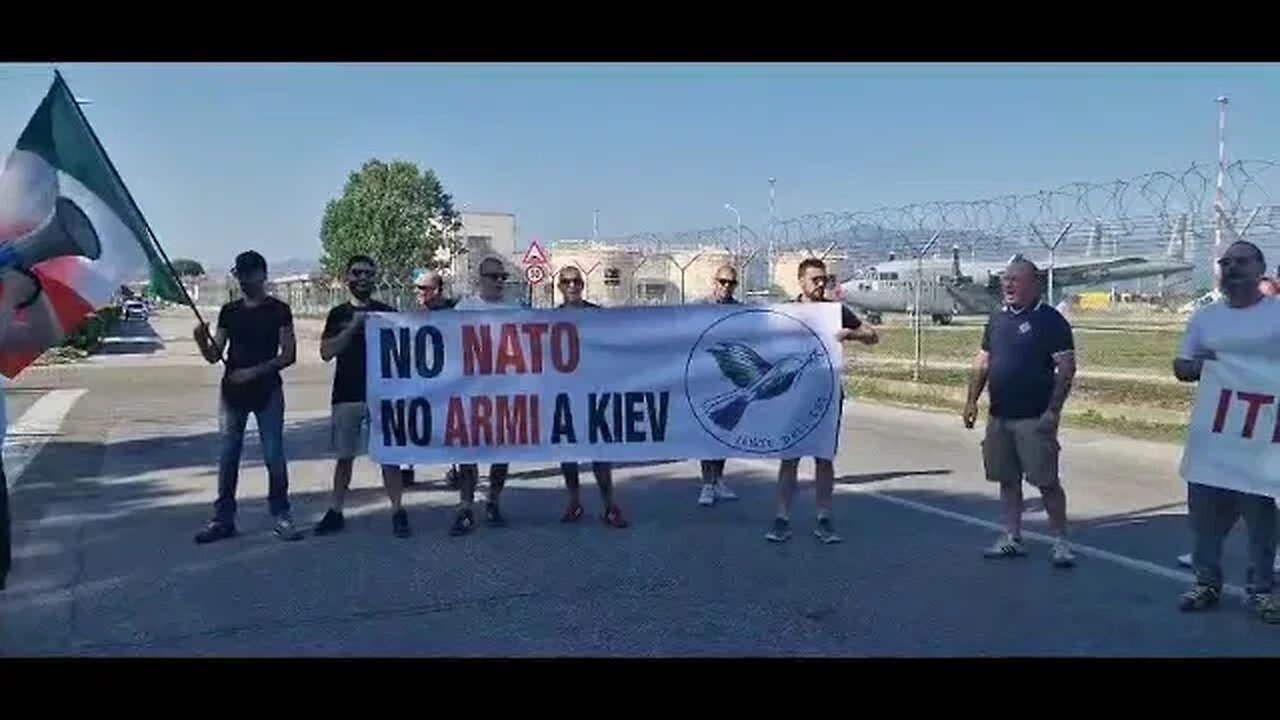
{"x":259,"y":329}
{"x":70,"y":236}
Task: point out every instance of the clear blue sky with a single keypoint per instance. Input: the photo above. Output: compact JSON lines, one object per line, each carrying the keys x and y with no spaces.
{"x":223,"y":157}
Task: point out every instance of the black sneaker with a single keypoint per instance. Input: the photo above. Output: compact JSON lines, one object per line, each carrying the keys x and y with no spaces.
{"x":332,"y":522}
{"x":493,"y":515}
{"x":1199,"y":597}
{"x":826,"y":532}
{"x":400,"y":523}
{"x":215,"y":531}
{"x":463,"y":523}
{"x":781,"y":531}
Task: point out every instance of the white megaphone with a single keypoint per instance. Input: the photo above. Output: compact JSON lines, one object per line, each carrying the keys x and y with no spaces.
{"x":68,"y":232}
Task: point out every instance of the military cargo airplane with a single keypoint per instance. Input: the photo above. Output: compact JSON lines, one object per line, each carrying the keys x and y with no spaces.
{"x":951,"y":288}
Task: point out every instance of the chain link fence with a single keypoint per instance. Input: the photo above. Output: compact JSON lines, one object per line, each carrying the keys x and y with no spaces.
{"x":1125,"y":331}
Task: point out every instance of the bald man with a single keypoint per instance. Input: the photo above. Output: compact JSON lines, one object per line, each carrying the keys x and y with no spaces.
{"x":714,"y":488}
{"x":491,"y":284}
{"x":1028,"y":355}
{"x":428,"y":289}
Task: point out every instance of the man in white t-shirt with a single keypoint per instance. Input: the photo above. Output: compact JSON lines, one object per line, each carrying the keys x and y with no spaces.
{"x":1244,"y":320}
{"x":490,"y":290}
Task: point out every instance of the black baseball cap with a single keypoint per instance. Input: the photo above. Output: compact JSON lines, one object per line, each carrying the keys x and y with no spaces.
{"x":249,"y":261}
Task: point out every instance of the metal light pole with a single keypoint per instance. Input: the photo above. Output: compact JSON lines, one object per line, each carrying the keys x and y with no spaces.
{"x":595,"y":225}
{"x":772,"y":220}
{"x":1220,"y":200}
{"x":738,"y":215}
{"x":919,"y":330}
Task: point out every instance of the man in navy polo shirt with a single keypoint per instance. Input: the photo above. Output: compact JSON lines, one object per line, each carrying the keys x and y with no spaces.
{"x":1028,"y":358}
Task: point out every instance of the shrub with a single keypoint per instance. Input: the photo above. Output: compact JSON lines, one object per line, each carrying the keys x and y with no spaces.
{"x":88,"y":335}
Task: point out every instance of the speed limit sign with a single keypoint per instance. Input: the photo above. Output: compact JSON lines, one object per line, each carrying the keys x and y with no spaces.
{"x":535,"y":274}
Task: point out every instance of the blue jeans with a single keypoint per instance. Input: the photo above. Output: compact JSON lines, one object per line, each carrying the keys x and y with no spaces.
{"x":271,"y":433}
{"x":1213,"y":512}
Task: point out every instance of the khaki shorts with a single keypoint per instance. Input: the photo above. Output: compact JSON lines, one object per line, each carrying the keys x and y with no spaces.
{"x":1014,"y":450}
{"x":349,"y":429}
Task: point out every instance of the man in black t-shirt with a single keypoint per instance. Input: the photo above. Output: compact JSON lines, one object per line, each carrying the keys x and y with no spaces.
{"x":571,"y":287}
{"x":344,"y":338}
{"x":259,"y":329}
{"x":1028,"y":358}
{"x":814,"y":282}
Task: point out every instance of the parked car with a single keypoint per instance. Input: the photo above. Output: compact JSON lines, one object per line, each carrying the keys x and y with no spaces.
{"x":135,"y":309}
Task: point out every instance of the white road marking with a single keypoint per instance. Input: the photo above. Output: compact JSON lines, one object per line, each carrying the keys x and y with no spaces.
{"x":1124,"y":561}
{"x":43,"y":420}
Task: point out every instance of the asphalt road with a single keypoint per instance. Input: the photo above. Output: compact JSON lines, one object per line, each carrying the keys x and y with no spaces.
{"x":109,"y":498}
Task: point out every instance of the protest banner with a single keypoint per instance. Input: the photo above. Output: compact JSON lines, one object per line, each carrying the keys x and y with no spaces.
{"x":1234,"y":440}
{"x":616,"y":384}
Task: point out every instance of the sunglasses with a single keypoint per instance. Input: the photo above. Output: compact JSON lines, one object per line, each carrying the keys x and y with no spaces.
{"x":571,"y":282}
{"x":426,"y":288}
{"x":500,"y":276}
{"x":726,"y":282}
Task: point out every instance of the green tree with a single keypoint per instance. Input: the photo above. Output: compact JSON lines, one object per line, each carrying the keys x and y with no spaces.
{"x":393,"y":212}
{"x":187,"y":268}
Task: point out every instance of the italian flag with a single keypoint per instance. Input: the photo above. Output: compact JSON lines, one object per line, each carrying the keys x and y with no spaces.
{"x":63,"y":206}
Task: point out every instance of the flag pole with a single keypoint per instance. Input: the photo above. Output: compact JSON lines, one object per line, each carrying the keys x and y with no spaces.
{"x":106,"y":159}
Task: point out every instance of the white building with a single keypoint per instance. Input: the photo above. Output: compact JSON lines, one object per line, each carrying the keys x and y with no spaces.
{"x":484,"y":234}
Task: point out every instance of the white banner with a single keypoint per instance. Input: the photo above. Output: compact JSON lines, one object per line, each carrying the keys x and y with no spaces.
{"x":1233,"y":440}
{"x":610,"y":384}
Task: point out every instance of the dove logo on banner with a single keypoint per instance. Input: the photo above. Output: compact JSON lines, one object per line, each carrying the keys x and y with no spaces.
{"x":760,"y":381}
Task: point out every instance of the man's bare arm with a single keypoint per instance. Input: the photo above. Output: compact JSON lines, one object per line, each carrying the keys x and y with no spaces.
{"x":978,"y":376}
{"x":332,"y":347}
{"x":210,"y":347}
{"x":1065,"y":367}
{"x":288,"y":348}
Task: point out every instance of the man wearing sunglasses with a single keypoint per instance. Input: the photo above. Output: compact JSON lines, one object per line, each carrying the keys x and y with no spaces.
{"x":343,"y":338}
{"x":571,"y":286}
{"x":714,"y":488}
{"x":814,"y":282}
{"x":428,"y":287}
{"x":490,"y":294}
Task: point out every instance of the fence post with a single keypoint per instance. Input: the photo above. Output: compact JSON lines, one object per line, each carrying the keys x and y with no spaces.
{"x":919,"y":330}
{"x":683,"y":268}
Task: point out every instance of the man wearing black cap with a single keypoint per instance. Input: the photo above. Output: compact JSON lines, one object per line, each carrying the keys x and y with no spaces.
{"x":260,"y":331}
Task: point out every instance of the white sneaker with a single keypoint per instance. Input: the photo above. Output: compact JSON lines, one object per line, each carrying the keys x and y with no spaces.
{"x":1006,"y":546}
{"x":708,"y":496}
{"x":1062,"y":557}
{"x":723,"y":492}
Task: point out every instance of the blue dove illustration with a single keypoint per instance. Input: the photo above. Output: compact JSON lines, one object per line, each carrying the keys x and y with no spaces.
{"x":755,"y":378}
